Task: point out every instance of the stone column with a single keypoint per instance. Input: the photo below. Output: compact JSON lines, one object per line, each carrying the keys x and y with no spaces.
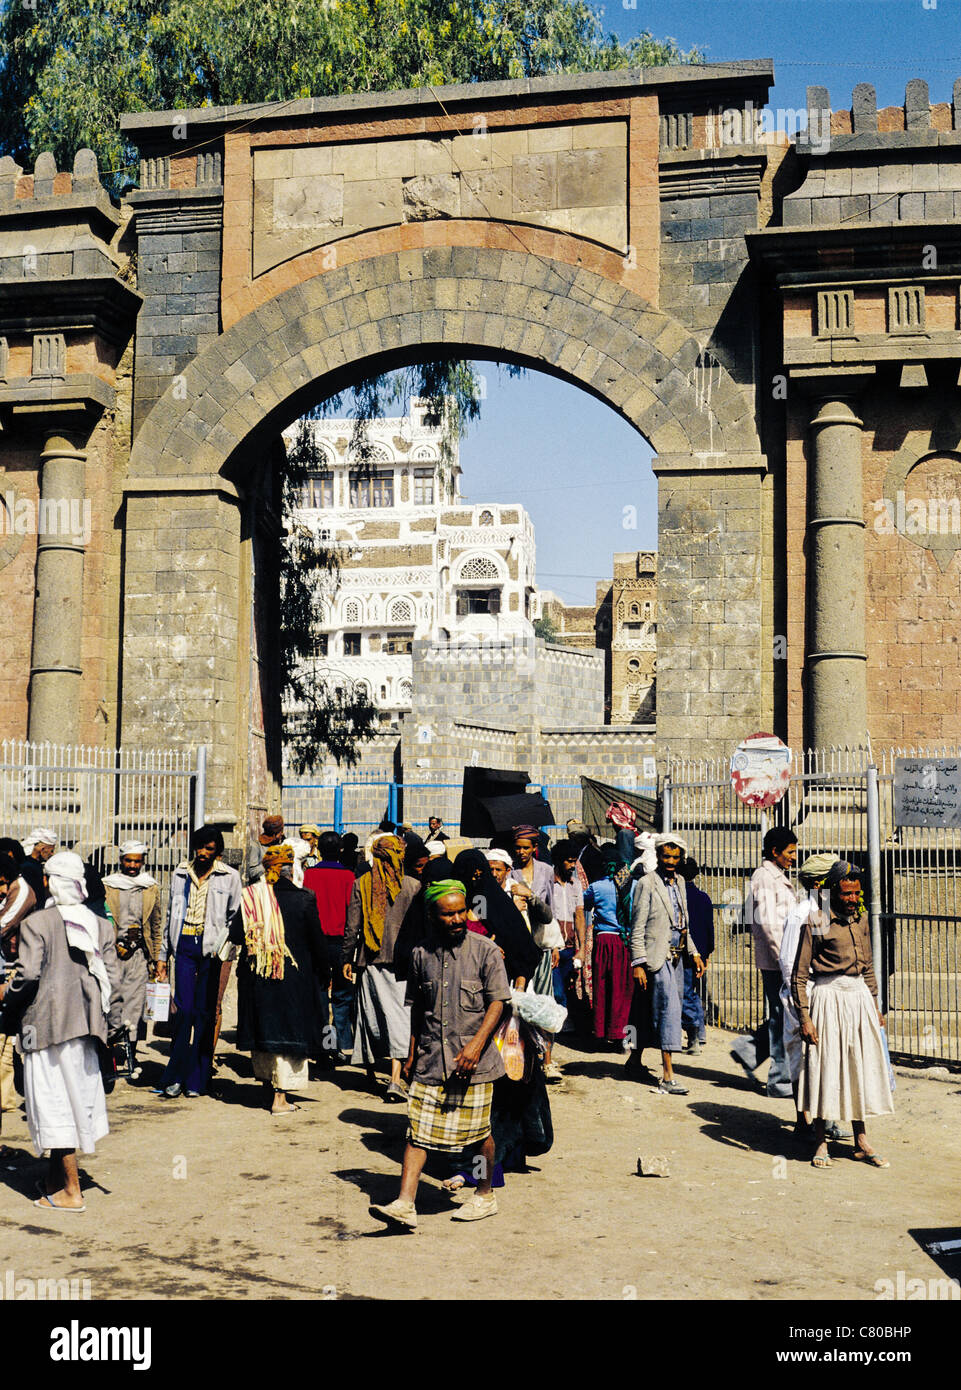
{"x":836,"y":661}
{"x":55,"y":662}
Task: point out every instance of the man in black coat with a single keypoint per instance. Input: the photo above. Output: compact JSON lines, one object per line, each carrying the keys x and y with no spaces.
{"x":280,"y":978}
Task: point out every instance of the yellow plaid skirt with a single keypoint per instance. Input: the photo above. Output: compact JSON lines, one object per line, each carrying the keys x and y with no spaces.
{"x":449,"y":1118}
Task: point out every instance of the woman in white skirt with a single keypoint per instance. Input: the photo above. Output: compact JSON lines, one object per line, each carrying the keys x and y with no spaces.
{"x":64,"y":993}
{"x":844,"y":1070}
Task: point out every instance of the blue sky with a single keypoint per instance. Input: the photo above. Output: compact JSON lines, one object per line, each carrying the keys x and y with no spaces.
{"x":573,"y":463}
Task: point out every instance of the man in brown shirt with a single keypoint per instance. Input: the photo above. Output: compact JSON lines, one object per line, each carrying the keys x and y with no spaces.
{"x":457,"y":987}
{"x":844,"y":1072}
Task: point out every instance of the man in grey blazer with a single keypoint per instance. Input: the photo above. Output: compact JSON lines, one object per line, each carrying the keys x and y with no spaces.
{"x":659,"y":945}
{"x":62,"y":998}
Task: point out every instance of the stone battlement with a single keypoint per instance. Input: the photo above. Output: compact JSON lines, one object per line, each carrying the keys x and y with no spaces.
{"x":47,"y":182}
{"x":917,"y":122}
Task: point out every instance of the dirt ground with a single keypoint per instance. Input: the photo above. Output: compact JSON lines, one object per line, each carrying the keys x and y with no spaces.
{"x":212,"y":1198}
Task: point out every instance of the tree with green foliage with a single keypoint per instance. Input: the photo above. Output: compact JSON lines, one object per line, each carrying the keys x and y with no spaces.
{"x":69,"y":69}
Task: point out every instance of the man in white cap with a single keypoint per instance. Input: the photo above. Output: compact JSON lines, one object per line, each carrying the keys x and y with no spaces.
{"x":659,"y":945}
{"x":133,"y":898}
{"x":38,"y":847}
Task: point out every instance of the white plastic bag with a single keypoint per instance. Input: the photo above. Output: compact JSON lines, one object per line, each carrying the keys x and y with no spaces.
{"x":539,"y":1010}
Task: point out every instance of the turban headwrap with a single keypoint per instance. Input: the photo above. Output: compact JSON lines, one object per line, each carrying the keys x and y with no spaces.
{"x":669,"y":839}
{"x":815,"y":868}
{"x":68,"y":889}
{"x":499,"y":856}
{"x":272,"y":826}
{"x":839,"y":870}
{"x":134,"y":847}
{"x":275,"y":857}
{"x":526,"y":832}
{"x":380,"y":887}
{"x":433,"y":891}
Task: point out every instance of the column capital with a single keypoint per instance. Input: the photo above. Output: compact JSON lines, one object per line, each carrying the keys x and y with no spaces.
{"x":835,"y":409}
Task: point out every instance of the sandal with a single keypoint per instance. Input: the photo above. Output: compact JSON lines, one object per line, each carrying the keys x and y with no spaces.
{"x":47,"y":1203}
{"x":873,"y":1159}
{"x":453,"y":1184}
{"x":822,"y":1161}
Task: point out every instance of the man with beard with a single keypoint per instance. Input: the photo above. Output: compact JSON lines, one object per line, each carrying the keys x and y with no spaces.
{"x":457,"y":988}
{"x":659,"y":945}
{"x":844,"y":1070}
{"x":133,"y":899}
{"x":204,"y":901}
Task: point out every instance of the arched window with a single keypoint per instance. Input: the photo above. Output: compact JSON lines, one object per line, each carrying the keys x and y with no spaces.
{"x":406,"y":692}
{"x":401,"y":611}
{"x":351,"y":611}
{"x":486,"y":518}
{"x":479,"y":568}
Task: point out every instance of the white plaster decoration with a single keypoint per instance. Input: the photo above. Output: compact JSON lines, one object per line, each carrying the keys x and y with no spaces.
{"x":476,"y":568}
{"x":377,"y":594}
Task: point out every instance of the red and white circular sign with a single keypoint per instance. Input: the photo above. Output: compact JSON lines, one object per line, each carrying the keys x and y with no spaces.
{"x":761,"y":770}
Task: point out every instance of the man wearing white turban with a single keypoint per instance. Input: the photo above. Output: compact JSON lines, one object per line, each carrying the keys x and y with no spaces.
{"x":38,"y":847}
{"x":62,"y":999}
{"x":133,"y":899}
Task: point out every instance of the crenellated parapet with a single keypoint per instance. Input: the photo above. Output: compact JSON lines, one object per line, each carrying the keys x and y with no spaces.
{"x":65,"y":312}
{"x":899,"y":164}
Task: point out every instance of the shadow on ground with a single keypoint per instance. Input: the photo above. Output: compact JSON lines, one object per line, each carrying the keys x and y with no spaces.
{"x":752,"y":1130}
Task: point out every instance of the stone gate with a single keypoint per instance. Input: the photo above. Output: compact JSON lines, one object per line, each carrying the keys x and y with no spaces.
{"x":778,"y":318}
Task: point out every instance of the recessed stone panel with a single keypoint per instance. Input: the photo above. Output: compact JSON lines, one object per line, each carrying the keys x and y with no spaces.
{"x":571,"y":178}
{"x":315,"y":200}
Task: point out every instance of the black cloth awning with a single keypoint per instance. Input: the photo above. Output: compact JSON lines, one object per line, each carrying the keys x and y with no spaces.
{"x":596,"y":797}
{"x":495,"y":800}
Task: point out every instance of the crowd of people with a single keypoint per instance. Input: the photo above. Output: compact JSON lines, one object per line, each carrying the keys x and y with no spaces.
{"x":453,"y":968}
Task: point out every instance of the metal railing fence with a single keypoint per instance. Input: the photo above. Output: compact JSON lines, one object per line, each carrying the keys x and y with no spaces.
{"x":359,"y":803}
{"x":839,"y":801}
{"x":94,"y":798}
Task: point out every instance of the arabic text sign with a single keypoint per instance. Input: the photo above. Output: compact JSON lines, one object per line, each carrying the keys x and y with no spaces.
{"x":927,"y":791}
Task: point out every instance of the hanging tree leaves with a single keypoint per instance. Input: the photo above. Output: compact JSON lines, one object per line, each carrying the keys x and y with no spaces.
{"x":69,"y":69}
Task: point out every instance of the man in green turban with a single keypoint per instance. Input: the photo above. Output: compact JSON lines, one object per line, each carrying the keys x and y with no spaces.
{"x":457,"y":988}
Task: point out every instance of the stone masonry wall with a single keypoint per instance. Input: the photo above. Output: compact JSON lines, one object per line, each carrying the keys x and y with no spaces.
{"x":709,"y":605}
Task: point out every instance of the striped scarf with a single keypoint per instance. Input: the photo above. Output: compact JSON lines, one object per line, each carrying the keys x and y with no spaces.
{"x":264,"y":931}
